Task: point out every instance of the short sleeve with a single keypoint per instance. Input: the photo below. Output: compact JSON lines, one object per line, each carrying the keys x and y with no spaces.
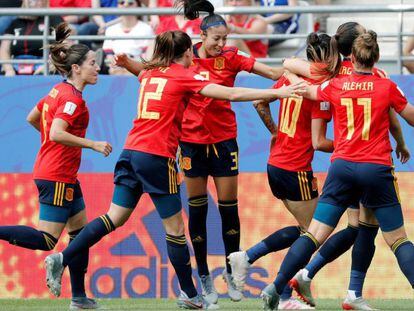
{"x":69,"y":109}
{"x":243,"y":61}
{"x":325,"y":91}
{"x":39,"y":105}
{"x":321,"y":110}
{"x":397,"y":98}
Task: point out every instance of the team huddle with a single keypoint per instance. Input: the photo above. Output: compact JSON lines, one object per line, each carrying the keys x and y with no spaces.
{"x":184,"y":104}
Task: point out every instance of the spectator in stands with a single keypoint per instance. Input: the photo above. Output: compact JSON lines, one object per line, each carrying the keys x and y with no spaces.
{"x":281,"y":23}
{"x":25,"y":49}
{"x":321,"y":18}
{"x":251,"y":25}
{"x":129,"y":25}
{"x":74,"y":20}
{"x":5,"y":21}
{"x":155,"y":19}
{"x":408,"y":51}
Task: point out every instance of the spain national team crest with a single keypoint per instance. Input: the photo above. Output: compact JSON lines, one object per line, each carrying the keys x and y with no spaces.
{"x":69,"y":194}
{"x":186,"y":164}
{"x":315,"y":184}
{"x":219,"y":63}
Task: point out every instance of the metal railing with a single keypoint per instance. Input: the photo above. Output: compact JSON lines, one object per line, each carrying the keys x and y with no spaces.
{"x":400,"y":9}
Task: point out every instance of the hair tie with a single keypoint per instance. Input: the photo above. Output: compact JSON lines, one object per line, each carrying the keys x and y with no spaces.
{"x":213,"y":24}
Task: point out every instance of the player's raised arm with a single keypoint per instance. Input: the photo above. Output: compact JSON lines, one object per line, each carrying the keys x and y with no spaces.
{"x":34,"y":118}
{"x":273,"y":73}
{"x":246,"y":94}
{"x":122,"y":60}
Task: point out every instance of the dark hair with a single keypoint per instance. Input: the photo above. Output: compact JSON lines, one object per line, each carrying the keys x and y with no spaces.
{"x":192,"y":9}
{"x":366,"y":50}
{"x":63,"y":55}
{"x":169,"y":46}
{"x":346,"y":35}
{"x":321,"y":48}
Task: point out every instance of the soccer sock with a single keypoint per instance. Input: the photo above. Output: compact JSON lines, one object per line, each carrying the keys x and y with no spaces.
{"x":89,"y":236}
{"x":180,"y":259}
{"x":334,"y":247}
{"x":278,"y":240}
{"x":297,"y":257}
{"x":230,"y":228}
{"x":287,"y":293}
{"x":404,"y":251}
{"x":362,"y":254}
{"x":197,"y":225}
{"x":28,"y":237}
{"x":77,"y":268}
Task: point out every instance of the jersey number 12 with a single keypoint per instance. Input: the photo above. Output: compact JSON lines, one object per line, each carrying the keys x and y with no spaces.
{"x":144,"y":97}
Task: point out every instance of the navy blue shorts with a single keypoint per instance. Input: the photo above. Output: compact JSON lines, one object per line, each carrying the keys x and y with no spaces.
{"x":217,"y":160}
{"x":138,"y":172}
{"x":374,"y":185}
{"x":293,"y":186}
{"x":58,"y":200}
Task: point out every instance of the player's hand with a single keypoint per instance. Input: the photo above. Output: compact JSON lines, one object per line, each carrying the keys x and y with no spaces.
{"x":402,"y":153}
{"x":102,"y":147}
{"x":120,"y":60}
{"x":293,"y":90}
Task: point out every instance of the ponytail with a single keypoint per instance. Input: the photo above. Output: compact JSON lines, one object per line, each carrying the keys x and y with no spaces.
{"x":366,"y":50}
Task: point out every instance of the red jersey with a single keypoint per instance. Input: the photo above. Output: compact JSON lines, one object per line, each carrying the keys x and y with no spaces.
{"x":347,"y":68}
{"x":164,"y":94}
{"x":169,"y":23}
{"x":258,"y":48}
{"x":360,"y":104}
{"x":293,"y":150}
{"x":217,"y":121}
{"x":57,"y":162}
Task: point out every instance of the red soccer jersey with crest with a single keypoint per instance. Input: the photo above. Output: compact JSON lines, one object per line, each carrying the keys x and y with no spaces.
{"x":293,"y":150}
{"x":57,"y":162}
{"x":360,"y":104}
{"x":217,"y":121}
{"x":164,"y":94}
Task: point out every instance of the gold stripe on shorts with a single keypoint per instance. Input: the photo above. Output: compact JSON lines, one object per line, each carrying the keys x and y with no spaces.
{"x":307,"y":185}
{"x":397,"y":189}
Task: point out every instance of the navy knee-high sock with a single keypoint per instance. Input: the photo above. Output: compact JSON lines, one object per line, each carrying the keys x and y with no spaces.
{"x":90,"y":235}
{"x":277,"y":241}
{"x":180,"y":259}
{"x":362,"y":254}
{"x":334,"y":247}
{"x":28,"y":237}
{"x":230,"y":225}
{"x":197,"y":226}
{"x":296,"y":258}
{"x":77,"y":268}
{"x":404,"y":251}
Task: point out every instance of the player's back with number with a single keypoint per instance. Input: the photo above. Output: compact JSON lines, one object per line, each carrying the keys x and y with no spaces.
{"x":361,"y":104}
{"x":57,"y":161}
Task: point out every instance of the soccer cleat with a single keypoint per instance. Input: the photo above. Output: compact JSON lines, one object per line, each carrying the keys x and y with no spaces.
{"x":234,"y":293}
{"x":208,"y":290}
{"x":195,"y":303}
{"x":270,"y":297}
{"x":81,"y":303}
{"x":293,"y":304}
{"x":356,"y":304}
{"x":54,"y":271}
{"x":239,"y":265}
{"x":302,"y":288}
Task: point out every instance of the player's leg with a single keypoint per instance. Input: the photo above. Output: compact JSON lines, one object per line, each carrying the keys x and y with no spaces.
{"x":332,"y":204}
{"x":362,"y":254}
{"x":194,"y":163}
{"x":53,"y":215}
{"x":224,"y":167}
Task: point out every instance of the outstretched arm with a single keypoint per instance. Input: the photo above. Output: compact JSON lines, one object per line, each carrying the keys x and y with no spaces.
{"x":266,"y":71}
{"x":401,"y":149}
{"x":263,"y":110}
{"x":122,"y":60}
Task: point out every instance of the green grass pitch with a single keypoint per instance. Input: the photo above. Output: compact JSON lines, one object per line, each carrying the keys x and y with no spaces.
{"x":165,"y":304}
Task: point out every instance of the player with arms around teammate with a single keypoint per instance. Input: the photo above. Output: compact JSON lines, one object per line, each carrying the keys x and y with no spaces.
{"x":301,"y":130}
{"x":361,"y":168}
{"x":362,"y":238}
{"x":147,"y":163}
{"x":62,"y":119}
{"x":208,"y":143}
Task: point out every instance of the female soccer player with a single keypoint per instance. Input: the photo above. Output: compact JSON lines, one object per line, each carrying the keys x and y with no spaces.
{"x":361,"y":168}
{"x":363,"y":238}
{"x":208,"y":143}
{"x":147,"y":163}
{"x":301,"y":129}
{"x":62,"y":118}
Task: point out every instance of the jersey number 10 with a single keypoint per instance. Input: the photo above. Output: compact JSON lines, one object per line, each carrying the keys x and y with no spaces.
{"x":144,"y":97}
{"x":288,"y":121}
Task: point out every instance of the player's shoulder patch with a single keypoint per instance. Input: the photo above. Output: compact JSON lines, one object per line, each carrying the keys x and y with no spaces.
{"x":69,"y":108}
{"x":241,"y":53}
{"x":400,"y":90}
{"x":199,"y":77}
{"x":325,"y":106}
{"x":325,"y":84}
